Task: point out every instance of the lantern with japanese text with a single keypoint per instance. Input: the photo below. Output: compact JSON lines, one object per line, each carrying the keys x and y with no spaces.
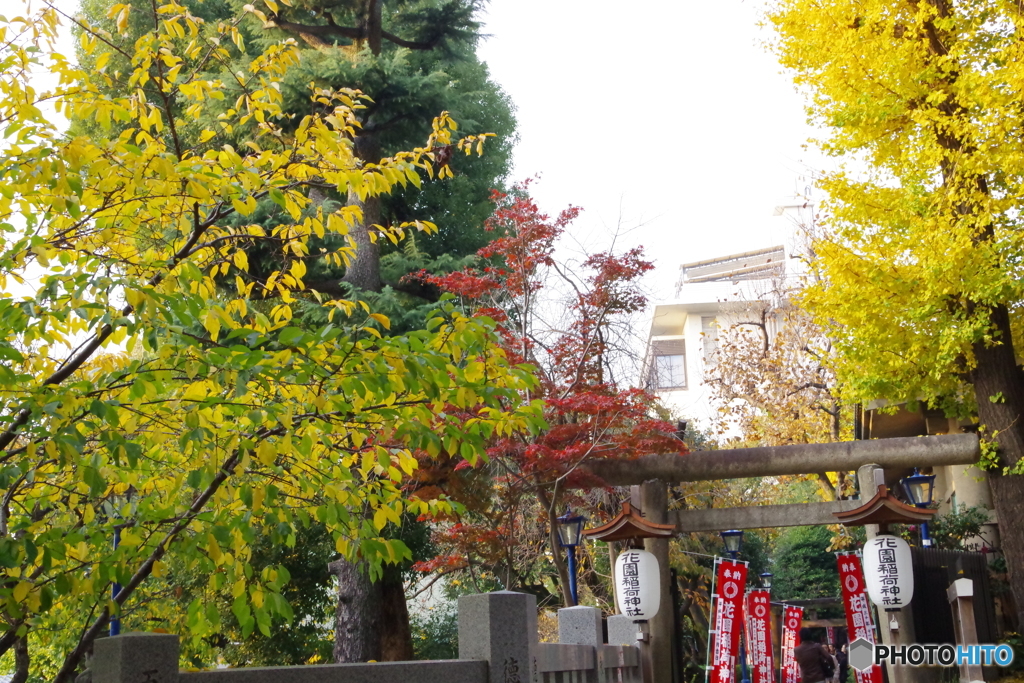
{"x":888,"y":572}
{"x":637,"y":584}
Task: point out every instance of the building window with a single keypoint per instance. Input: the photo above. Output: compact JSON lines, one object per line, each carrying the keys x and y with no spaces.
{"x":667,"y":367}
{"x":671,"y":371}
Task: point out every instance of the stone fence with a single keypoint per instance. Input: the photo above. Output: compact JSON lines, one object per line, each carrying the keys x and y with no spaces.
{"x":497,"y":644}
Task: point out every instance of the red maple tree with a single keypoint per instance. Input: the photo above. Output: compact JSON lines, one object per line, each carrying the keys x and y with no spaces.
{"x":573,"y":341}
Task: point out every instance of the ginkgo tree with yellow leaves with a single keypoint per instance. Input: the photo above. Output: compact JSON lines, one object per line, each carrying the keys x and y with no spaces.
{"x":150,"y":385}
{"x":920,"y":275}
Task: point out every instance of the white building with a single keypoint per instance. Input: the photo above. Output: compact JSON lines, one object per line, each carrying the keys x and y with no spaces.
{"x":710,"y":296}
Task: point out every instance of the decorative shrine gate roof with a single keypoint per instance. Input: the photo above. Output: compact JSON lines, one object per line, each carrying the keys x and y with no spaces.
{"x":628,"y":525}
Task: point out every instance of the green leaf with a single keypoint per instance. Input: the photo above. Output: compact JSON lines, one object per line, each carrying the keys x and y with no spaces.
{"x":290,"y":335}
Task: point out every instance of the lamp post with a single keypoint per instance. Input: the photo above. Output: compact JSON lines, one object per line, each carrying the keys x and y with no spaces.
{"x":115,"y":588}
{"x":570,"y":530}
{"x":733,"y":539}
{"x":766,"y":580}
{"x":118,"y":504}
{"x":919,"y":489}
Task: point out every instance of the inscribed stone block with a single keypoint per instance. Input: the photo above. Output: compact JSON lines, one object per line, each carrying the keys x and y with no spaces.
{"x":501,"y":628}
{"x":136,"y":658}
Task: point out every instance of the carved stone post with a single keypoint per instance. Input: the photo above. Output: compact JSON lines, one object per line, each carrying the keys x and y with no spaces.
{"x":501,"y":629}
{"x":961,"y":601}
{"x":136,"y":658}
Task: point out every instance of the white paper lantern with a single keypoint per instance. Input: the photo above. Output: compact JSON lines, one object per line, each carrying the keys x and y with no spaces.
{"x":637,"y":584}
{"x":888,"y":572}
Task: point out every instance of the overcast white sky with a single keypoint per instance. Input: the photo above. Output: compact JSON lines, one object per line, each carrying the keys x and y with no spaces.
{"x":673,"y":110}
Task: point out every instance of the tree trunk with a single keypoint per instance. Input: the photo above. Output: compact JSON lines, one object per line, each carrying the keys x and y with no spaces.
{"x":21,"y":661}
{"x":700,"y":621}
{"x":597,"y":584}
{"x":999,"y":392}
{"x":826,"y":486}
{"x":364,"y":271}
{"x":372,"y":619}
{"x":357,"y":626}
{"x":374,"y":26}
{"x":396,"y":634}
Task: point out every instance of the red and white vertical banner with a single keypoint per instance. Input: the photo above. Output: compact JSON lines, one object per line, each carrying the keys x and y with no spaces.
{"x":792,"y":617}
{"x":730,"y":585}
{"x":858,"y":610}
{"x":759,"y":637}
{"x":830,"y":635}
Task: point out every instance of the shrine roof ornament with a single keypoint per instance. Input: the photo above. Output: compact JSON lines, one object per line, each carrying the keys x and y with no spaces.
{"x":884,"y":508}
{"x":629,"y":524}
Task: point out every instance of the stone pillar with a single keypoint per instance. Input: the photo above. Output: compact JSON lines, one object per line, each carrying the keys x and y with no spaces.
{"x":868,"y":479}
{"x":501,"y":629}
{"x":903,"y":635}
{"x":580,"y":626}
{"x":654,"y":499}
{"x":136,"y":658}
{"x":961,"y":600}
{"x":621,"y":630}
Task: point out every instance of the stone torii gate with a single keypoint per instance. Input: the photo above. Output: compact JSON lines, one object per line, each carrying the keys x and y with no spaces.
{"x":654,"y":473}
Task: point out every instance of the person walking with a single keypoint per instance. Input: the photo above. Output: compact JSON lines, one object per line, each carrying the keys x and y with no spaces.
{"x":831,"y":650}
{"x":815,"y":663}
{"x":844,"y":663}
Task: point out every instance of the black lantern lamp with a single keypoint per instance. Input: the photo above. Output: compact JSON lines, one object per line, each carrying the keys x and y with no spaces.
{"x":733,"y":540}
{"x":570,"y":532}
{"x":919,"y":489}
{"x":766,"y":580}
{"x":570,"y":529}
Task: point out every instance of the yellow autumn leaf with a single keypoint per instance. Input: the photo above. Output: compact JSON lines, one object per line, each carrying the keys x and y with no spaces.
{"x":266,"y":453}
{"x":21,"y":590}
{"x":382,"y":319}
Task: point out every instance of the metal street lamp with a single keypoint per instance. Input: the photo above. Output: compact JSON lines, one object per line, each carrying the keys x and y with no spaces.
{"x":115,"y":588}
{"x":570,"y":531}
{"x":733,"y":539}
{"x":919,"y":489}
{"x":115,"y":508}
{"x":766,"y":580}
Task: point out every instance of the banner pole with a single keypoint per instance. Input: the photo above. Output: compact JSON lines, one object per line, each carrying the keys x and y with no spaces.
{"x":712,"y":631}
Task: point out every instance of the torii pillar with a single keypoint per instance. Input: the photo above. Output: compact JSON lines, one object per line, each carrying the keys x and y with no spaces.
{"x":654,"y":504}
